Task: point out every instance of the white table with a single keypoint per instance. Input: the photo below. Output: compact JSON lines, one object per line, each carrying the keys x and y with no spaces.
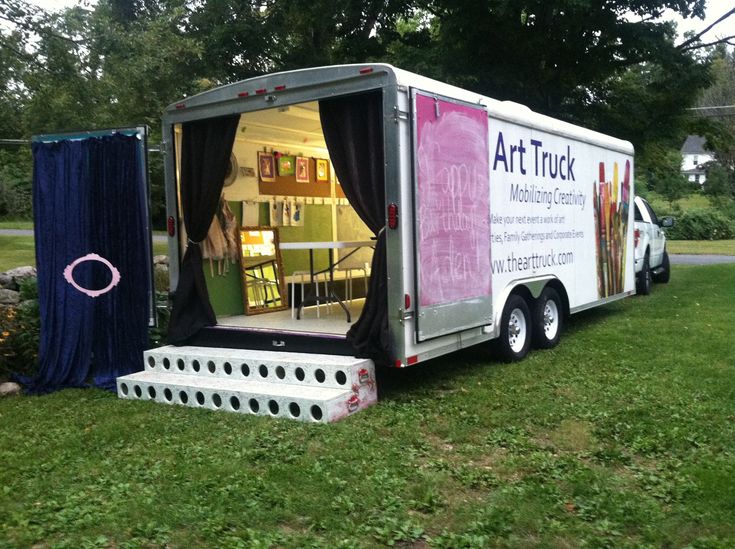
{"x":330,"y":296}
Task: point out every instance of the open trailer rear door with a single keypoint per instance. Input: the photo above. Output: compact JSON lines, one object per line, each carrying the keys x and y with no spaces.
{"x":452,"y":201}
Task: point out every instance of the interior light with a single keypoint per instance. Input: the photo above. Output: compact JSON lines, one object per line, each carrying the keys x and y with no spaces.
{"x":392,"y":215}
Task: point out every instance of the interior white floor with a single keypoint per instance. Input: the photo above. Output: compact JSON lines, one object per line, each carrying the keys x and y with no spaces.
{"x":331,"y":320}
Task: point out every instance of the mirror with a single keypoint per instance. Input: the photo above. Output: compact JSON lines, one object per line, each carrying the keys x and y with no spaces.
{"x":263,"y":286}
{"x":667,"y":222}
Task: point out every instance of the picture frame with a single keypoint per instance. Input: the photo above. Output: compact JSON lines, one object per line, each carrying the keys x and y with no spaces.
{"x":302,"y":169}
{"x":322,"y":169}
{"x":286,"y":165}
{"x":267,"y":167}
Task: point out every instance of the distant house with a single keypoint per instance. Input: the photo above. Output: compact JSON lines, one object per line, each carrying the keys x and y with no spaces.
{"x":693,"y":159}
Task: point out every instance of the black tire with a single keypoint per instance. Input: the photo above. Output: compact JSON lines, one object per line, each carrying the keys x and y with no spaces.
{"x":515,"y":329}
{"x":644,"y":282}
{"x":665,"y":274}
{"x":548,"y":319}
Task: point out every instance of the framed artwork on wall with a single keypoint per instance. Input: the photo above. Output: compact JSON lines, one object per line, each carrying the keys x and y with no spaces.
{"x":302,"y":169}
{"x":322,"y":169}
{"x":267,"y":167}
{"x":286,"y":165}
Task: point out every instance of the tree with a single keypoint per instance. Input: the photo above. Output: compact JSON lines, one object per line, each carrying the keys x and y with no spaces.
{"x":719,"y":182}
{"x":662,"y":173}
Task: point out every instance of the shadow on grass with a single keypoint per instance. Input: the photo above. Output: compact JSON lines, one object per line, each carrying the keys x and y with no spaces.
{"x":455,"y":367}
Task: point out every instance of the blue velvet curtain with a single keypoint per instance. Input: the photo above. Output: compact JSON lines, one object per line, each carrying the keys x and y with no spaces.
{"x":90,"y":196}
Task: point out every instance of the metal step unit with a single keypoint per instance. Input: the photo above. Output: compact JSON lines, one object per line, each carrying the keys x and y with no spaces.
{"x":301,"y":386}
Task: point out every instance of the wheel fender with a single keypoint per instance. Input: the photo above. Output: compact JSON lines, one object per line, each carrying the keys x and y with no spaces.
{"x":526,"y":287}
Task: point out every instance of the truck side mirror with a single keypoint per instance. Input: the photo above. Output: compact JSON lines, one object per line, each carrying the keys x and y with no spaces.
{"x":667,"y":222}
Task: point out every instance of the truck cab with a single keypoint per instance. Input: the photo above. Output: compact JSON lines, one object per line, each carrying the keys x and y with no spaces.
{"x":651,"y":257}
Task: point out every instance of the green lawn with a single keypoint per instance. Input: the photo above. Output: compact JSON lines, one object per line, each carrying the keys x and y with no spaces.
{"x":17,"y":251}
{"x":624,"y":435}
{"x":694,"y":200}
{"x":717,"y":247}
{"x":5,"y":224}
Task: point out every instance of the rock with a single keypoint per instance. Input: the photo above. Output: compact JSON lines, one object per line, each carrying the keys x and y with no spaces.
{"x":9,"y":388}
{"x":160,"y":278}
{"x":19,"y":273}
{"x":160,"y":260}
{"x":9,"y":297}
{"x":7,"y":282}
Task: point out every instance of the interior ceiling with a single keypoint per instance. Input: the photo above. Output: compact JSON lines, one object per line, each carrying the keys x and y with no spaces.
{"x":293,"y":125}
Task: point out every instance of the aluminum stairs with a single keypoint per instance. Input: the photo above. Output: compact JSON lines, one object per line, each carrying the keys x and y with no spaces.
{"x":301,"y":386}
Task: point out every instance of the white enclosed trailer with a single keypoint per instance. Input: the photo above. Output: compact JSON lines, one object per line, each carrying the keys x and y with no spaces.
{"x":497,"y":221}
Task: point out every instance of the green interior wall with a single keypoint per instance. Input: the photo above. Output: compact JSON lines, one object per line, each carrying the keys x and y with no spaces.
{"x":225,"y":291}
{"x":317,"y":228}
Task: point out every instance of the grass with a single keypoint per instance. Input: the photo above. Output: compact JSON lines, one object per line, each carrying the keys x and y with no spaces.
{"x":716,"y":247}
{"x":624,"y":435}
{"x":15,"y":224}
{"x":694,"y":200}
{"x":18,"y":251}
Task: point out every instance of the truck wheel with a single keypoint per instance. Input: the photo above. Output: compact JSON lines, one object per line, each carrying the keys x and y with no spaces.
{"x":665,"y":274}
{"x":643,"y":284}
{"x":515,"y":329}
{"x":548,"y":317}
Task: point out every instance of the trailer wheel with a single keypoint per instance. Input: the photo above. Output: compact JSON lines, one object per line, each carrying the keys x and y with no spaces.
{"x":548,"y":319}
{"x":665,"y":274}
{"x":644,"y":282}
{"x":515,"y":329}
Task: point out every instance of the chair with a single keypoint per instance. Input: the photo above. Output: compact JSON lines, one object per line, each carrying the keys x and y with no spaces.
{"x":306,"y":276}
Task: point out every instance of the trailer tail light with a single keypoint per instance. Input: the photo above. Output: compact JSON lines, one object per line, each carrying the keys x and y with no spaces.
{"x":180,"y":105}
{"x":261,"y":91}
{"x":243,"y":94}
{"x":393,"y":216}
{"x":636,"y":236}
{"x":366,"y":70}
{"x":406,"y":302}
{"x":279,"y":88}
{"x":171,"y":226}
{"x":412,"y":360}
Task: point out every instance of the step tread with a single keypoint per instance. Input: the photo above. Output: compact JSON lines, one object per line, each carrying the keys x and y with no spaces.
{"x":248,"y":354}
{"x":284,"y":390}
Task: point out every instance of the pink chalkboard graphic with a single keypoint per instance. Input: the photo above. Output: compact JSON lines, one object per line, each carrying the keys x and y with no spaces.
{"x":453,"y":201}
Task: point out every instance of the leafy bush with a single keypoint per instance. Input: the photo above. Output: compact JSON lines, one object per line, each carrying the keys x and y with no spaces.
{"x":20,"y":330}
{"x":700,"y":224}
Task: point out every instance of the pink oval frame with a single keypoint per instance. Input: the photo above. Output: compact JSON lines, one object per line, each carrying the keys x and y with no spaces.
{"x":68,"y":275}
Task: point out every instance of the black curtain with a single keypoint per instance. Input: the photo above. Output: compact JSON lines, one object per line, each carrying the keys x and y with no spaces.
{"x":206,"y":146}
{"x":353,"y":131}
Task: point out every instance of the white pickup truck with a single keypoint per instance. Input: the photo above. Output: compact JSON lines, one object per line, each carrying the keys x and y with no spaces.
{"x":651,"y":257}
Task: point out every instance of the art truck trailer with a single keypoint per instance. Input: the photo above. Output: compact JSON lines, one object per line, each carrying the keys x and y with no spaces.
{"x":473,"y":220}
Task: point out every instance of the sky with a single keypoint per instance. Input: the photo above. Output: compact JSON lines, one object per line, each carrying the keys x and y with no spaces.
{"x":715,"y":8}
